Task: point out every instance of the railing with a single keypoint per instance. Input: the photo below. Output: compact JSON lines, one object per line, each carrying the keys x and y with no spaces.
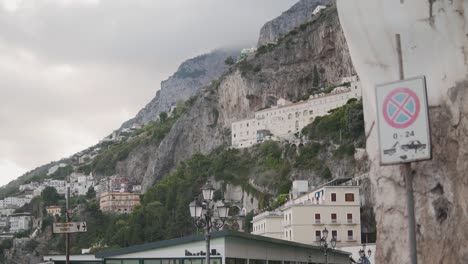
{"x":350,"y":238}
{"x":318,"y":222}
{"x":334,"y":221}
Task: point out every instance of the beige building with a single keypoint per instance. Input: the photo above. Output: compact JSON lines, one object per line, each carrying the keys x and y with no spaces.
{"x":285,"y":119}
{"x":118,"y":202}
{"x":269,"y":224}
{"x":54,"y":210}
{"x":336,"y":208}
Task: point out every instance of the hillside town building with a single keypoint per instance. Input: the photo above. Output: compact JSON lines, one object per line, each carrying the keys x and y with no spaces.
{"x":54,"y":210}
{"x":118,"y":202}
{"x":29,"y":186}
{"x":59,"y":185}
{"x":115,"y":184}
{"x":80,"y":183}
{"x":13,"y":202}
{"x":20,"y":222}
{"x":6,"y":211}
{"x":332,"y":206}
{"x":286,"y":119}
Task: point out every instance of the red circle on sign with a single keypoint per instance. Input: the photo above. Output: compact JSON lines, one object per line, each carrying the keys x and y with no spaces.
{"x":401,"y":108}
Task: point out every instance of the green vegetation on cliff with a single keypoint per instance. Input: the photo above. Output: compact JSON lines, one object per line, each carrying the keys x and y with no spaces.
{"x":153,"y":133}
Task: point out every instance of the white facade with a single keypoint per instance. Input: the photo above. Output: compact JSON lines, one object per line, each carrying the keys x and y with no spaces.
{"x":281,"y":122}
{"x":29,"y":186}
{"x":269,"y":224}
{"x":59,"y":185}
{"x":6,"y":211}
{"x":336,"y":208}
{"x":14,"y":202}
{"x":318,"y":9}
{"x":136,"y":189}
{"x":3,"y":222}
{"x":299,"y":188}
{"x":80,"y":183}
{"x":20,"y":222}
{"x":38,"y":191}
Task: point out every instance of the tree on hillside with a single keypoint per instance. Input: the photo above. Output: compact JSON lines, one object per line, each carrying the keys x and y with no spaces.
{"x":50,"y":196}
{"x":229,"y":61}
{"x":163,"y":116}
{"x":91,"y":193}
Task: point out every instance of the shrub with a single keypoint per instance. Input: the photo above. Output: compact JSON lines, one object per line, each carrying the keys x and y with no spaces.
{"x":229,"y":61}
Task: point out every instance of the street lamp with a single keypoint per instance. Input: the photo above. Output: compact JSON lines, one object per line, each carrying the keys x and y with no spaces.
{"x":324,"y":244}
{"x":208,"y":214}
{"x":362,"y":254}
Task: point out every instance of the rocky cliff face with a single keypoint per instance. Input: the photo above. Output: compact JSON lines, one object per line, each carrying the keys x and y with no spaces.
{"x":284,"y":70}
{"x":434,"y":44}
{"x":293,"y":17}
{"x":186,"y":81}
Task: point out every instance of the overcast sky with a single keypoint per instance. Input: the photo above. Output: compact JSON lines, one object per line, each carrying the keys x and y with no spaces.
{"x":71,"y":71}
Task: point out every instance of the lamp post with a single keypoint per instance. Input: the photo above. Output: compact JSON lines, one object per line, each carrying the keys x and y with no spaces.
{"x":324,"y":244}
{"x":208,"y":214}
{"x":364,"y":259}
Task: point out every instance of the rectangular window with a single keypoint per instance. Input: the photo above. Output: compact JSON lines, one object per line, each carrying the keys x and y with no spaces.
{"x":274,"y":262}
{"x":235,"y":261}
{"x":290,"y":236}
{"x":350,"y":218}
{"x":317,"y":218}
{"x":349,"y":197}
{"x":333,"y":197}
{"x":317,"y":235}
{"x":333,"y":218}
{"x":257,"y":261}
{"x":335,"y":234}
{"x":130,"y":261}
{"x":350,"y":235}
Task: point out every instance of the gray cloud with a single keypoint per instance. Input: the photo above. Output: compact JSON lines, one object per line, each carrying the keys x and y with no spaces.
{"x":71,"y":71}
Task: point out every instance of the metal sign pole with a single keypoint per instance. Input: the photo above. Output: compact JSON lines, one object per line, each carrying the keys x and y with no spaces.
{"x":68,"y":220}
{"x":408,"y":175}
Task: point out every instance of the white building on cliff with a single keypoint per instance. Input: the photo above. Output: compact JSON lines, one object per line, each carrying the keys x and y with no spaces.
{"x":333,"y":206}
{"x":285,"y":119}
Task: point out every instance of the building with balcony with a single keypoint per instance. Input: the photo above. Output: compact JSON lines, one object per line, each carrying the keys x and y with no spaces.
{"x":335,"y":207}
{"x":285,"y":119}
{"x":118,"y":202}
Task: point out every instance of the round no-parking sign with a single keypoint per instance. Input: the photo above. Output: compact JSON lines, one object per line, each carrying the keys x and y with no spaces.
{"x":401,"y":108}
{"x":402,"y":120}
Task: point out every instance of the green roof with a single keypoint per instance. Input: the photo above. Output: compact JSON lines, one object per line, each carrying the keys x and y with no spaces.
{"x":193,"y":238}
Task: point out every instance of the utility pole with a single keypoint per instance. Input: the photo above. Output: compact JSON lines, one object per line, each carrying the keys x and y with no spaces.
{"x":67,"y":216}
{"x":408,"y":175}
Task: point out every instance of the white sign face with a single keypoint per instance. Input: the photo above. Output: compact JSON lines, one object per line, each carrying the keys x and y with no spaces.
{"x":70,"y":227}
{"x":403,"y":121}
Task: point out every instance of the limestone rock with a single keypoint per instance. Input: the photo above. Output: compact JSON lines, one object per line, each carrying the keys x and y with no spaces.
{"x":299,"y":13}
{"x":184,"y":83}
{"x":434,"y":44}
